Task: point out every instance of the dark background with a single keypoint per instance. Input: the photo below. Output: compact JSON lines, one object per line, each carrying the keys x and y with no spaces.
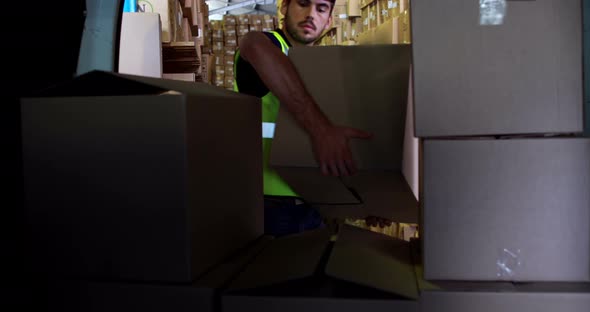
{"x":40,"y":43}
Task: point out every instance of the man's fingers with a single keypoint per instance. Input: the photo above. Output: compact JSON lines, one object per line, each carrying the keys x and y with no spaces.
{"x":333,"y":168}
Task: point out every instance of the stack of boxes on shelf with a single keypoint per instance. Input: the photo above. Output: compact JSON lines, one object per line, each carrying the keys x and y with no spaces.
{"x":385,"y":21}
{"x":224,"y":36}
{"x":369,"y":22}
{"x":506,"y":171}
{"x":182,"y":57}
{"x":180,"y":24}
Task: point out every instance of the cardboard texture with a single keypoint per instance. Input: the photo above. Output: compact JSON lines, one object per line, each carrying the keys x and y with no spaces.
{"x":543,"y":297}
{"x":373,"y":260}
{"x":516,"y":210}
{"x":502,"y":79}
{"x":306,"y":272}
{"x":201,"y":295}
{"x":128,"y":181}
{"x":180,"y":76}
{"x":140,"y":47}
{"x":376,"y":103}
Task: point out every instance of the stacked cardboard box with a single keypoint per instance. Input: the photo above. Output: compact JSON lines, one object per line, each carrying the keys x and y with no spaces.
{"x":137,"y":215}
{"x":369,"y":22}
{"x":225,"y":37}
{"x":505,"y":169}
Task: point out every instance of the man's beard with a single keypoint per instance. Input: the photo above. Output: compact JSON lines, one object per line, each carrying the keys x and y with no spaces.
{"x":292,"y":30}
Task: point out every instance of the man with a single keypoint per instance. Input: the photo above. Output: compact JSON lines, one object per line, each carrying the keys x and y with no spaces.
{"x":262,"y":69}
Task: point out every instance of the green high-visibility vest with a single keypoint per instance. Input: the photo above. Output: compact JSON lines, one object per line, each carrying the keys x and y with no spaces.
{"x":273,"y":183}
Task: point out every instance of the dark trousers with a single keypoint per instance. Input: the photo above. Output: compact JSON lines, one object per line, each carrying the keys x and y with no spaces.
{"x":284,"y":216}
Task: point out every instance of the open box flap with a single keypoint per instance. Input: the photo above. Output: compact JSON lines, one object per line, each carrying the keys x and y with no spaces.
{"x":354,"y":87}
{"x":284,"y":259}
{"x":222,"y":273}
{"x":374,"y":260}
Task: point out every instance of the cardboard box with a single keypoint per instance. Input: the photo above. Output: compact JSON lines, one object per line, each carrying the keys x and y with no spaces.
{"x":168,"y":16}
{"x":200,"y":295}
{"x":231,"y":41}
{"x":331,"y":75}
{"x":229,"y":72}
{"x":386,"y":33}
{"x":186,"y":34}
{"x":307,"y":272}
{"x":218,"y":47}
{"x":228,"y":60}
{"x":180,"y":76}
{"x":243,"y":29}
{"x":124,"y":190}
{"x":140,"y":32}
{"x":207,"y":68}
{"x":229,"y":51}
{"x":218,"y":59}
{"x":513,"y":210}
{"x":257,"y":20}
{"x":353,"y":8}
{"x":217,"y":35}
{"x":230,"y":31}
{"x":255,"y":27}
{"x":499,"y":297}
{"x":243,"y":19}
{"x":229,"y":20}
{"x":229,"y":81}
{"x":502,"y":79}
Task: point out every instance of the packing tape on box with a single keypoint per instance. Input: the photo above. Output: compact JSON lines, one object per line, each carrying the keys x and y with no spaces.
{"x":508,"y":263}
{"x":492,"y":12}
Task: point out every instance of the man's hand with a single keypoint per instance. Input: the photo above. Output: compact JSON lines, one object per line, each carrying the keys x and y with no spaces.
{"x":332,"y":150}
{"x":330,"y":143}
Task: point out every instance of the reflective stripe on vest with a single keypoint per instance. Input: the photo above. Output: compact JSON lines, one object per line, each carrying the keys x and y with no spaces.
{"x":268,"y":130}
{"x":273,"y":183}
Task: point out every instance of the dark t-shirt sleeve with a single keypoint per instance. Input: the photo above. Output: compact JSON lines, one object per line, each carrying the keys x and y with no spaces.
{"x":247,"y":78}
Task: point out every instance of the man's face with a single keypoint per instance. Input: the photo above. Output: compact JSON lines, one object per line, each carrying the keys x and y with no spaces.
{"x":306,"y":20}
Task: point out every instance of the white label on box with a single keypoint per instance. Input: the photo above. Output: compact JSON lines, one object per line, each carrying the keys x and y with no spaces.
{"x":366,"y":21}
{"x":391,"y":4}
{"x":492,"y":12}
{"x":343,"y":16}
{"x":384,"y":12}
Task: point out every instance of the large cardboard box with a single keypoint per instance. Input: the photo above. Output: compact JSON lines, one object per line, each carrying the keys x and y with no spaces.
{"x":353,"y":87}
{"x":200,"y":295}
{"x":500,"y":297}
{"x":358,"y":271}
{"x":129,"y":181}
{"x":515,"y":210}
{"x":140,"y":46}
{"x":497,"y":79}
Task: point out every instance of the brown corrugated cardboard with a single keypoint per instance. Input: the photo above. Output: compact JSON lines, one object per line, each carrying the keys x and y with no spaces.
{"x":353,"y":8}
{"x":473,"y":79}
{"x":386,"y":33}
{"x":133,"y":174}
{"x":514,"y":210}
{"x":331,"y":75}
{"x":180,"y":76}
{"x":307,"y":272}
{"x":243,"y":29}
{"x":541,"y":297}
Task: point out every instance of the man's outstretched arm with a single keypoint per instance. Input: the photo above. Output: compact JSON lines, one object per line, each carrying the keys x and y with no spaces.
{"x":330,"y":142}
